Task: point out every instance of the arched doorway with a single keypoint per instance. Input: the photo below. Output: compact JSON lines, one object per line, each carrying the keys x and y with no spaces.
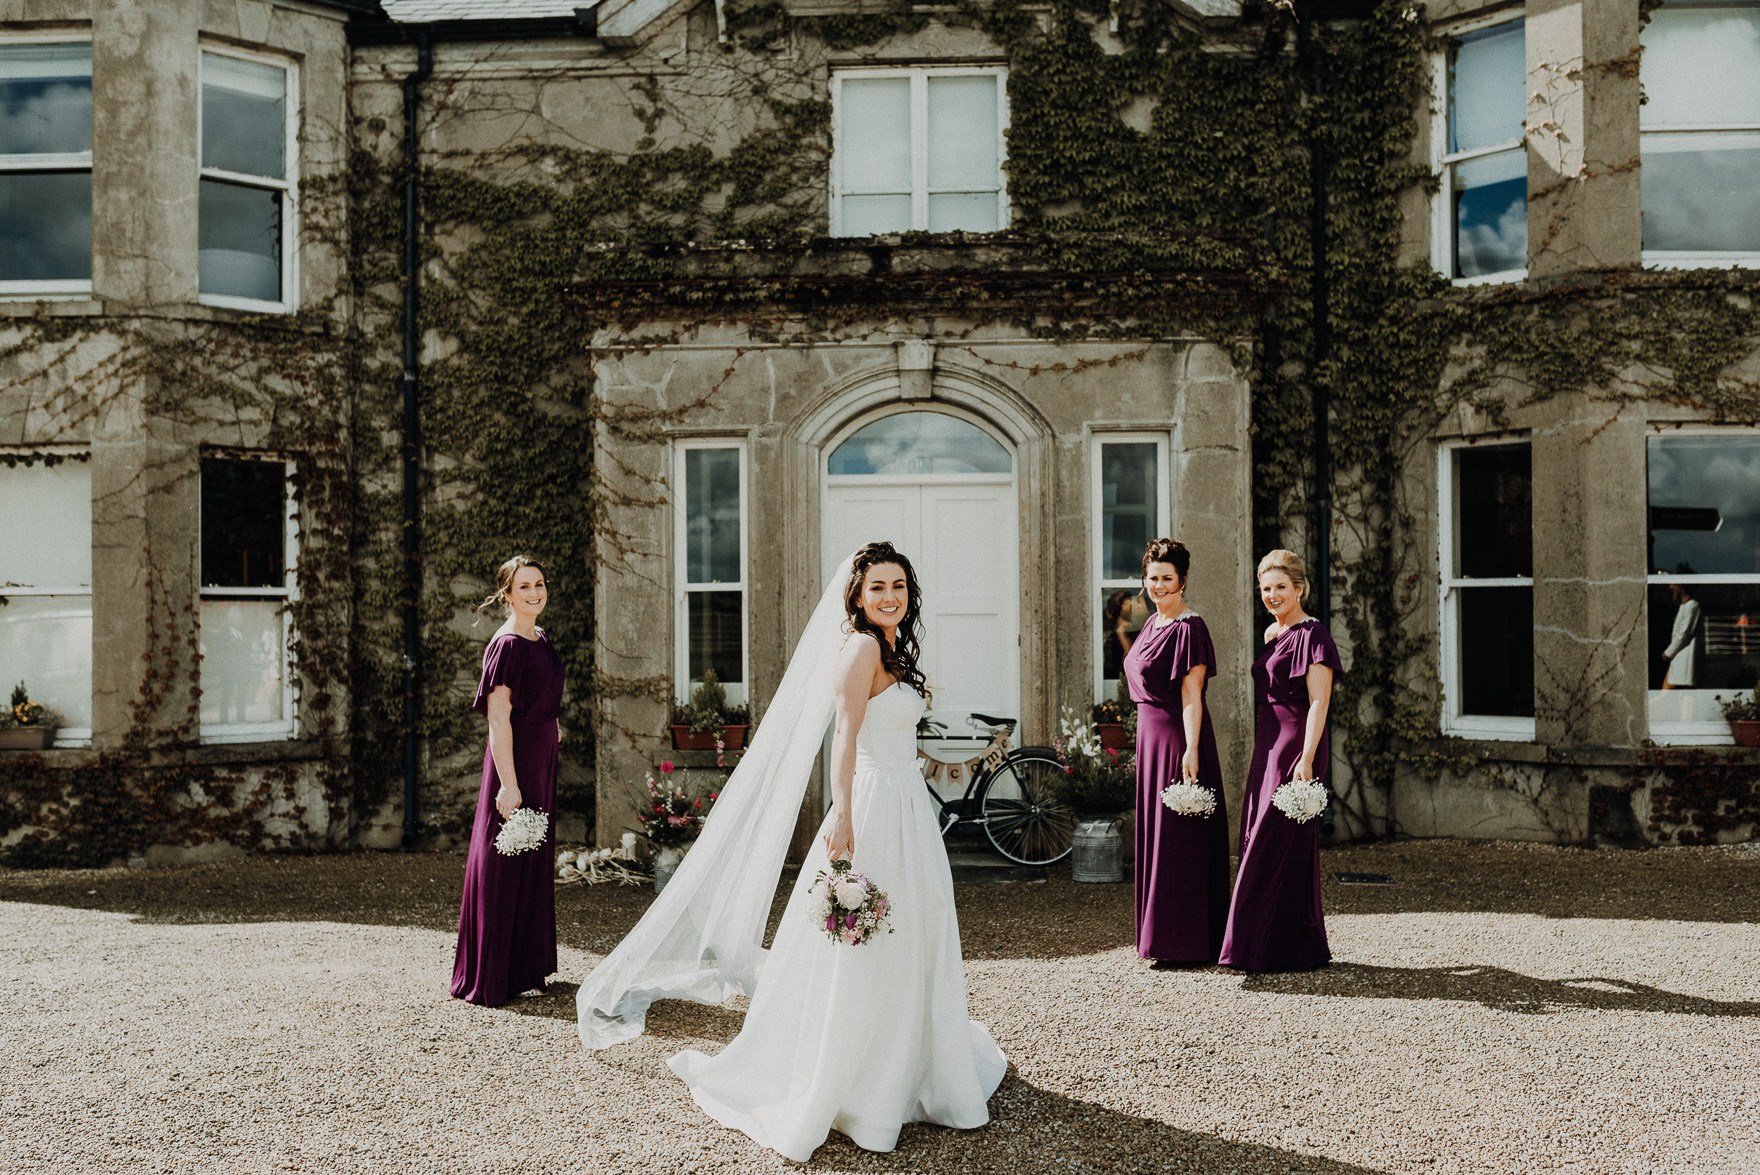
{"x":942,"y":488}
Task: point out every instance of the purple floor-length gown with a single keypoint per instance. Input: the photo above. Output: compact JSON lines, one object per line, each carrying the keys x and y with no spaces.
{"x":1274,"y":923}
{"x":1182,"y":861}
{"x":507,"y":920}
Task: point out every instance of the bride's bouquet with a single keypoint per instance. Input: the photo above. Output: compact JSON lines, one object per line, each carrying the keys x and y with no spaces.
{"x":848,"y":907}
{"x":1300,"y":800}
{"x":1189,"y":798}
{"x":524,"y":831}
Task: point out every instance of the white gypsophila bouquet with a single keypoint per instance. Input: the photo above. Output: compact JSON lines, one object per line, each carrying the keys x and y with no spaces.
{"x":1300,"y":800}
{"x":524,"y":831}
{"x":1188,"y":798}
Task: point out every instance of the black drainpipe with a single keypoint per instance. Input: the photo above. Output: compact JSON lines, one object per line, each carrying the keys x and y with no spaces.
{"x":1321,"y":391}
{"x":412,"y":443}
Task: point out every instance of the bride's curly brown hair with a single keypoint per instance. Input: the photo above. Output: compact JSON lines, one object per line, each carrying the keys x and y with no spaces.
{"x":898,"y":658}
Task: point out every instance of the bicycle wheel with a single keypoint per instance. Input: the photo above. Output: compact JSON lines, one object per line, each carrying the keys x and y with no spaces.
{"x":1023,"y":816}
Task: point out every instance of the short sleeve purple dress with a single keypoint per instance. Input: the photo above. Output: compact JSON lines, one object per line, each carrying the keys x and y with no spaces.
{"x":1274,"y":923}
{"x":507,"y":920}
{"x":1182,"y":861}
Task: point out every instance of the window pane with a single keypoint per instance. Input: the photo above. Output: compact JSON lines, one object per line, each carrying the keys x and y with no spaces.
{"x":1128,"y":514}
{"x":46,"y":642}
{"x":921,"y":442}
{"x":244,"y":116}
{"x":1497,"y":651}
{"x":963,"y":137}
{"x":1488,"y":88}
{"x":1704,"y":640}
{"x":1702,"y":192}
{"x":864,"y":216}
{"x":46,"y":525}
{"x":45,"y":98}
{"x":46,"y":226}
{"x":241,"y":661}
{"x":244,"y":523}
{"x":717,"y":624}
{"x":1705,"y":505}
{"x":1123,"y":612}
{"x":1494,"y":512}
{"x":711,"y":478}
{"x":874,"y":151}
{"x":240,"y":236}
{"x":1699,"y":66}
{"x":1491,"y":214}
{"x":972,"y":212}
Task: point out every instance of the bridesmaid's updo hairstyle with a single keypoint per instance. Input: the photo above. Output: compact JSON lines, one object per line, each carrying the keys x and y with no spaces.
{"x":1291,"y":565}
{"x":504,"y":583}
{"x":1168,"y":551}
{"x":900,"y":659}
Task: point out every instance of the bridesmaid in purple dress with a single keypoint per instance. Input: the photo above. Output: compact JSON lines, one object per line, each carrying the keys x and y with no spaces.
{"x":1182,"y":861}
{"x":507,"y":920}
{"x":1275,"y":922}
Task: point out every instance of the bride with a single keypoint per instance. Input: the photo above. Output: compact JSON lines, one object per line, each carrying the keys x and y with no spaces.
{"x":860,"y":1039}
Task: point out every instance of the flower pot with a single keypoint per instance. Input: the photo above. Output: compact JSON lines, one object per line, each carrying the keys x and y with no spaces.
{"x":1112,"y":735}
{"x":685,"y":739}
{"x":1098,"y":855}
{"x":1746,"y":732}
{"x":665,"y":865}
{"x":27,"y":738}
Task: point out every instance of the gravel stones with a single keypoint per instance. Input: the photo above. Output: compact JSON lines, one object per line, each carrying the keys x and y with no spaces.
{"x":1504,"y":1008}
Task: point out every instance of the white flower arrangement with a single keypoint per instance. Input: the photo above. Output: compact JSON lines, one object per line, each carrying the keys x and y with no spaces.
{"x":524,"y":831}
{"x":1300,"y":800}
{"x":598,"y":866}
{"x":1080,"y":736}
{"x":1188,"y":798}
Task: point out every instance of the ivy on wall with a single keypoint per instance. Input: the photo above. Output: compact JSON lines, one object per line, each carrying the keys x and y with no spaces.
{"x":1164,"y":149}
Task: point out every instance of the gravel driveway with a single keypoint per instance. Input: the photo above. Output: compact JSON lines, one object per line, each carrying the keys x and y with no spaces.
{"x":1503,"y":1008}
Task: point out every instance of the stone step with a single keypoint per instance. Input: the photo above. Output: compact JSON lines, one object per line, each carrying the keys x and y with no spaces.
{"x":975,"y":867}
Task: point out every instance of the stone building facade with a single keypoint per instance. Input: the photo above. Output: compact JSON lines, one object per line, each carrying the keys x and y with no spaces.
{"x":758,"y":285}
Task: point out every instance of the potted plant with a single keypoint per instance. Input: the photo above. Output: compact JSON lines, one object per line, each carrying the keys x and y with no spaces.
{"x":670,"y":815}
{"x":1114,"y":720}
{"x":26,"y":725}
{"x":1100,"y":784}
{"x":709,"y":723}
{"x":1743,"y":716}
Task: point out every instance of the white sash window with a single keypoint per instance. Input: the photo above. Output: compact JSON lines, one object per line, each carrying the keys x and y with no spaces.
{"x":711,"y":567}
{"x":45,"y":170}
{"x":1132,"y":505}
{"x":918,"y":149}
{"x":1704,"y":579}
{"x":249,"y":196}
{"x":1481,"y":220}
{"x":46,"y":583}
{"x":1487,"y":531}
{"x":1700,"y":135}
{"x":250,"y":549}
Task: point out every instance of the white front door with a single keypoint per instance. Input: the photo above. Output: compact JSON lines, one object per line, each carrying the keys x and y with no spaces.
{"x":960,"y":534}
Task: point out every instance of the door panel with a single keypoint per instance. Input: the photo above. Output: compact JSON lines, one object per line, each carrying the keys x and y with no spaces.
{"x":856,"y":515}
{"x":962,"y":541}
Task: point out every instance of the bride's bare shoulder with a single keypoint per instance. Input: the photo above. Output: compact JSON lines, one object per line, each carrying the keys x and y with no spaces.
{"x":860,"y":654}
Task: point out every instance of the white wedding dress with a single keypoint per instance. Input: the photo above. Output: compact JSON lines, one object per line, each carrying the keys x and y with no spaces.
{"x":861,"y":1039}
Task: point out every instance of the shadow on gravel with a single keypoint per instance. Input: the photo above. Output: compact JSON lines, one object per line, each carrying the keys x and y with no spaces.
{"x":557,"y":1002}
{"x":1495,"y":988}
{"x":1034,"y":1130}
{"x":1710,"y":884}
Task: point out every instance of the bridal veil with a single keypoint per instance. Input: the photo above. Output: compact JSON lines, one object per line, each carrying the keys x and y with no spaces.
{"x":702,"y":939}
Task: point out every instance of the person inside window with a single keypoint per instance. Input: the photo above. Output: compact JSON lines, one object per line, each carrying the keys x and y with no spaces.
{"x":1683,"y":644}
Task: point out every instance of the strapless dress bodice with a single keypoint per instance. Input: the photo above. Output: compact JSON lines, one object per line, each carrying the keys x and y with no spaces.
{"x":888,"y":738}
